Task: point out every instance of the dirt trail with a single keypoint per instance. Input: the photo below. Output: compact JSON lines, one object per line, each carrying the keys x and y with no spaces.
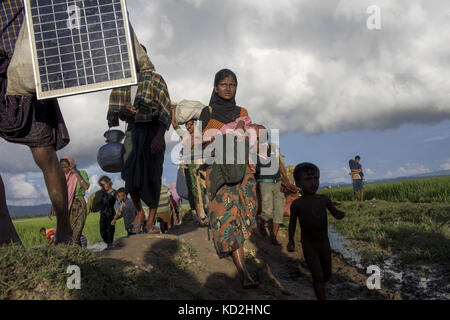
{"x":195,"y":271}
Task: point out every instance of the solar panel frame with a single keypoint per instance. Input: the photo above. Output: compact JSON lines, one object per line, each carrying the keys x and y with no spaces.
{"x":81,"y":65}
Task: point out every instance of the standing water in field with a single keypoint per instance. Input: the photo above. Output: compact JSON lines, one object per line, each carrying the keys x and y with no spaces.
{"x":413,"y":281}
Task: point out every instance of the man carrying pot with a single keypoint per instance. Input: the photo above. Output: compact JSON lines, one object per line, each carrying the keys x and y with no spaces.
{"x":148,"y":117}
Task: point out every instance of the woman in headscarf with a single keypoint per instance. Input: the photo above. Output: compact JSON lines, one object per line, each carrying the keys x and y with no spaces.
{"x":232,"y":206}
{"x":195,"y":176}
{"x":77,"y":185}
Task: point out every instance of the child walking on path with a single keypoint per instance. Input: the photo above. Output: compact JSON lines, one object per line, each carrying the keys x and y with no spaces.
{"x":311,"y":211}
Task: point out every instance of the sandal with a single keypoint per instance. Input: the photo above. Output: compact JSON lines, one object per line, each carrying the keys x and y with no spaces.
{"x":152,"y":230}
{"x":137,"y":228}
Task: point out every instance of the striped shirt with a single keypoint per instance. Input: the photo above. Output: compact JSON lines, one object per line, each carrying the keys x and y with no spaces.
{"x":11,"y":17}
{"x":164,"y":205}
{"x":216,"y":124}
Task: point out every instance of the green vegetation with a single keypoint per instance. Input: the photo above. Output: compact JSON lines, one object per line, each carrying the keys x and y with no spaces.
{"x":41,"y":274}
{"x":417,"y":191}
{"x":28,"y":230}
{"x":414,"y":232}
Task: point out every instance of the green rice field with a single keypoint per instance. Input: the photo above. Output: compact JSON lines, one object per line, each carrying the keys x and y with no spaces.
{"x":28,"y":229}
{"x":425,"y":190}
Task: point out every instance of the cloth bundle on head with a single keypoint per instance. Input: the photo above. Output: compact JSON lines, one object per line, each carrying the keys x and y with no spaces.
{"x":187,"y":110}
{"x":71,"y":180}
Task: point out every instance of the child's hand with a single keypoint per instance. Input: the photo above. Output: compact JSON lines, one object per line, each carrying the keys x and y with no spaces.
{"x":340,"y":215}
{"x":291,"y":247}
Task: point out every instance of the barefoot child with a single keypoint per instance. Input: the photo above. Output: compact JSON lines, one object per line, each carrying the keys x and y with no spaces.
{"x":311,"y":211}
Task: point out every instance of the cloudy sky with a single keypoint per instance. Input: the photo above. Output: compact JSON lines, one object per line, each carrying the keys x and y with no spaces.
{"x":312,"y":69}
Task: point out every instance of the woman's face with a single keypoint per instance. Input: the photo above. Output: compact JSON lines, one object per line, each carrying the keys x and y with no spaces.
{"x":226,"y":88}
{"x":105,"y":185}
{"x":190,"y":126}
{"x":65,"y":166}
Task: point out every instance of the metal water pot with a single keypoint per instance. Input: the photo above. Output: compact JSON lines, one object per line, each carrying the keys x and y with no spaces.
{"x":110,"y":156}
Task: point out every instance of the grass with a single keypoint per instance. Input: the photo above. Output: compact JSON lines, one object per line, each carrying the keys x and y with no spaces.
{"x":418,"y":191}
{"x":41,"y":274}
{"x":28,"y":227}
{"x":29,"y":230}
{"x":414,"y":232}
{"x":409,"y":219}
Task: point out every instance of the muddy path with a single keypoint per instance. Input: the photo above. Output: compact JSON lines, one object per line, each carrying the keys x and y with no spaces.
{"x":194,"y":271}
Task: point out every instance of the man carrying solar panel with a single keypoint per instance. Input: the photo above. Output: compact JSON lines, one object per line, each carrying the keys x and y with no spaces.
{"x":36,"y":124}
{"x":148,"y":118}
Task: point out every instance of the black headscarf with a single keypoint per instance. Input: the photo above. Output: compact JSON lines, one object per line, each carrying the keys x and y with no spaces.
{"x":223,"y":110}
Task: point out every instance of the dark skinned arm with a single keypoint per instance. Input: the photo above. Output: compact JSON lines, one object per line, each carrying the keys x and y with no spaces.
{"x":338,"y":214}
{"x":292,"y":228}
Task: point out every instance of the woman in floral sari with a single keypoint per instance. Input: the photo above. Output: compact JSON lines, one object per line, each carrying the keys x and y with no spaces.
{"x":232,"y":206}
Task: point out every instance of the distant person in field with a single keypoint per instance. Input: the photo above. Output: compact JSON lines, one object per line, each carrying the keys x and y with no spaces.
{"x":77,"y":185}
{"x":49,"y":234}
{"x":311,"y":212}
{"x":357,"y":177}
{"x":126,"y":210}
{"x":108,"y":212}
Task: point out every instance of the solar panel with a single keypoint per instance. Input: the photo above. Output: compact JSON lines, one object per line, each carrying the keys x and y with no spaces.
{"x":79,"y":46}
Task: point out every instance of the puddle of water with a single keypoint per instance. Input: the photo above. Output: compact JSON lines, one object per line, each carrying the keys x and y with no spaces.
{"x":413,"y":281}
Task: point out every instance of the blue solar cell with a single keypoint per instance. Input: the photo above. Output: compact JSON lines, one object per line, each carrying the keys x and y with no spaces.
{"x":101,"y":78}
{"x":52,"y":60}
{"x":55,"y":69}
{"x":47,"y":27}
{"x":65,"y":41}
{"x":93,"y":19}
{"x":99,"y":62}
{"x":115,"y":67}
{"x":107,"y":9}
{"x":60,"y":8}
{"x":56,"y":85}
{"x":79,"y":43}
{"x":54,"y":77}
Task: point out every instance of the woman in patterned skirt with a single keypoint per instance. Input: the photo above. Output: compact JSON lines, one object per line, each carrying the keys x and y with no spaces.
{"x":232,"y":206}
{"x":77,"y":185}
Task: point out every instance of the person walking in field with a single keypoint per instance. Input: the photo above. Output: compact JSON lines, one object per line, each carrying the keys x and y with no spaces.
{"x":357,"y":177}
{"x":311,"y":211}
{"x":270,"y":173}
{"x":77,"y":185}
{"x":126,"y":210}
{"x":195,"y":175}
{"x":37,"y":124}
{"x":148,"y":118}
{"x":108,"y":212}
{"x":231,"y":187}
